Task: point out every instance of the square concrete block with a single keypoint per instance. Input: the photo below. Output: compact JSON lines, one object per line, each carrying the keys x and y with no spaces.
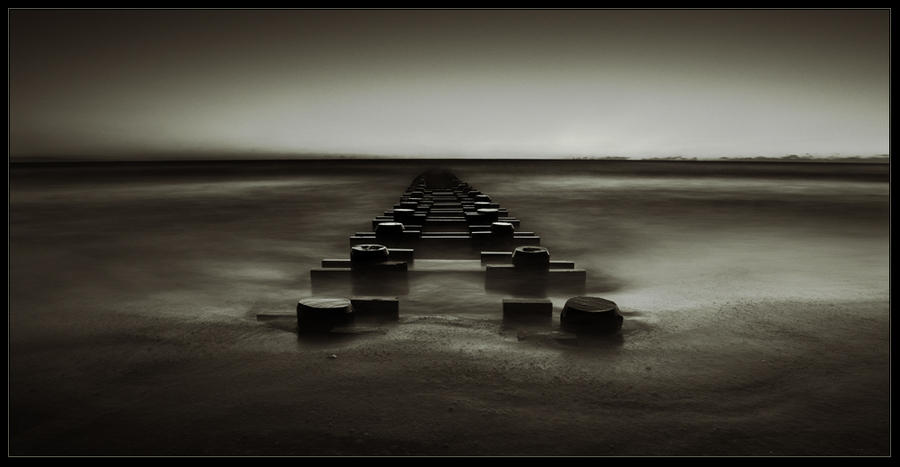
{"x":527,"y":307}
{"x":401,"y":254}
{"x":496,"y":257}
{"x":527,"y":282}
{"x":326,"y":273}
{"x":529,"y":311}
{"x":445,"y":224}
{"x":386,"y":267}
{"x":376,"y":307}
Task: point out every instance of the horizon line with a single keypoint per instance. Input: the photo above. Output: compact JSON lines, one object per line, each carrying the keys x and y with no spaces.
{"x":878,"y":158}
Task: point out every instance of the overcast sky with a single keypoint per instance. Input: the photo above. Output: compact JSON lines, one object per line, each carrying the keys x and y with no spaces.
{"x":260,"y":83}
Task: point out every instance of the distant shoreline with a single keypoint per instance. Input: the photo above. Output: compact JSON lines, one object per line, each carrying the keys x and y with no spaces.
{"x":777,"y":168}
{"x":880,"y":159}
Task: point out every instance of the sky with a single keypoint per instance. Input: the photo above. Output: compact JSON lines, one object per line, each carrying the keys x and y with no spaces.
{"x":200,"y":84}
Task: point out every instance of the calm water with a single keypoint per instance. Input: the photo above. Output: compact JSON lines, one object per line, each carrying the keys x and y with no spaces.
{"x":756,"y":302}
{"x":649,"y":235}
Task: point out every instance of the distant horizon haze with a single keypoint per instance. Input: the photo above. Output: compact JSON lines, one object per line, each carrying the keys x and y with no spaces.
{"x":504,"y":84}
{"x":212,"y":158}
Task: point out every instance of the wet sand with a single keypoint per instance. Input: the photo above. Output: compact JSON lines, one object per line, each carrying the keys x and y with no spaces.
{"x":756,"y":304}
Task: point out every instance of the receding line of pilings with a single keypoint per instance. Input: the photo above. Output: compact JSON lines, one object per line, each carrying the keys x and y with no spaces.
{"x":446,"y":218}
{"x":455,"y":223}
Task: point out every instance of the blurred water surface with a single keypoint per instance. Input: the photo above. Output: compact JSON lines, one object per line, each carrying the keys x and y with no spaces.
{"x":245,"y":238}
{"x":756,"y":303}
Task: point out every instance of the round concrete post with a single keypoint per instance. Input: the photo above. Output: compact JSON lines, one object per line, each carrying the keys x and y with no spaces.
{"x":502,"y":229}
{"x":531,"y":257}
{"x":403,"y":215}
{"x":388,"y":230}
{"x":490,"y":214}
{"x":368,"y":254}
{"x":591,"y":315}
{"x":323,"y":314}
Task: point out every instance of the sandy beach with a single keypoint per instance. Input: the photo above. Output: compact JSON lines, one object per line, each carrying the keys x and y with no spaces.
{"x":755,"y":297}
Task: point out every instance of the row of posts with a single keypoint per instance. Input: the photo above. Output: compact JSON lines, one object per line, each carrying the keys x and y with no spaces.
{"x":441,"y":217}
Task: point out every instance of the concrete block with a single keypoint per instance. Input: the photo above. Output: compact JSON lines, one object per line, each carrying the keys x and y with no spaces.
{"x":376,"y":307}
{"x":445,"y":224}
{"x":384,"y":267}
{"x":496,"y":257}
{"x":447,"y":212}
{"x":394,"y":231}
{"x":569,"y":280}
{"x":408,"y":216}
{"x":446,"y":234}
{"x":482,"y":239}
{"x":481,"y":217}
{"x":406,"y":255}
{"x":528,"y":310}
{"x":487,"y":228}
{"x":509,"y":279}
